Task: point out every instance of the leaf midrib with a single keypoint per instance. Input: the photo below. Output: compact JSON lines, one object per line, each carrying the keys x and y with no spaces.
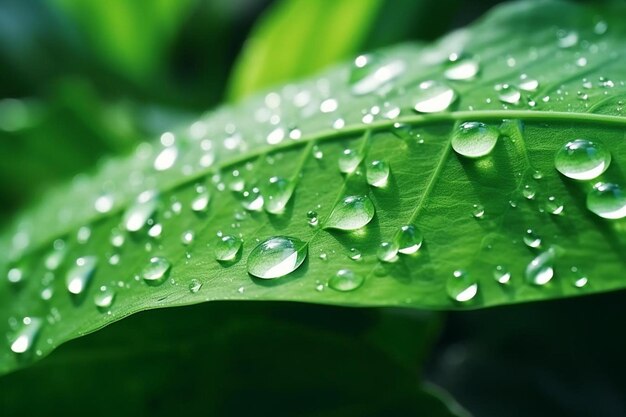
{"x":414,"y":120}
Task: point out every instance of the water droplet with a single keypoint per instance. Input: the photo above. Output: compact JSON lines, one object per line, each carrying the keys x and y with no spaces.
{"x":138,"y":213}
{"x":554,"y":205}
{"x":464,"y":70}
{"x":80,"y":274}
{"x":532,"y":239}
{"x":582,"y":159}
{"x":478,"y":211}
{"x":529,"y":192}
{"x":577,"y":278}
{"x":155,"y":231}
{"x":388,"y":252}
{"x":25,"y":338}
{"x":15,"y":275}
{"x":278,"y":191}
{"x":104,"y":298}
{"x":157,"y":271}
{"x":117,"y":238}
{"x":313,"y":220}
{"x":166,"y":158}
{"x":540,"y":270}
{"x":474,"y":139}
{"x":194,"y":285}
{"x":501,"y":274}
{"x":369,"y":73}
{"x":351,"y":213}
{"x":378,"y":173}
{"x":433,"y":97}
{"x":345,"y":280}
{"x":252,"y":199}
{"x":201,"y":202}
{"x":607,"y":200}
{"x":355,"y":254}
{"x":104,"y":203}
{"x":461,"y":287}
{"x":227,"y":248}
{"x":187,"y":237}
{"x":409,"y":239}
{"x":508,"y":94}
{"x":567,"y":39}
{"x":528,"y":84}
{"x":276,"y":257}
{"x":349,"y":161}
{"x":317,"y":152}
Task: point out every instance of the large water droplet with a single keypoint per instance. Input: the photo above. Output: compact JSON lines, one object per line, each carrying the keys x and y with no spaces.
{"x":138,"y":213}
{"x":463,"y":70}
{"x":474,"y":139}
{"x":80,"y":274}
{"x":25,"y":338}
{"x":541,"y":269}
{"x":409,"y":239}
{"x":377,"y":173}
{"x":351,"y":213}
{"x":345,"y":280}
{"x":227,"y":248}
{"x":370,"y":73}
{"x":607,"y":200}
{"x":104,"y":298}
{"x":461,"y":287}
{"x":582,"y":159}
{"x":276,"y":257}
{"x":349,"y":161}
{"x":433,"y":97}
{"x":278,"y":191}
{"x":157,"y":271}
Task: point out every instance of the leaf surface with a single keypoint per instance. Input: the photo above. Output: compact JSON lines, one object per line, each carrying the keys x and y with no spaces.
{"x":299,"y":133}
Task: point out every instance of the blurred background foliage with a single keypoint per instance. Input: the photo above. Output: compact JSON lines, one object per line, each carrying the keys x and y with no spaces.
{"x":86,"y":79}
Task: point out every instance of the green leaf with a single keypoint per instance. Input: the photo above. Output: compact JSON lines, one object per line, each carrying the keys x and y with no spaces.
{"x":297,"y":38}
{"x":284,"y":134}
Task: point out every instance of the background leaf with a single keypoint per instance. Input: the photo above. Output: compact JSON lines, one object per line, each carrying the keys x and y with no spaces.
{"x":429,"y":185}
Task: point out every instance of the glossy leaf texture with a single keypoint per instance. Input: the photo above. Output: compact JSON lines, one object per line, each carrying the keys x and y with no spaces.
{"x":418,"y":176}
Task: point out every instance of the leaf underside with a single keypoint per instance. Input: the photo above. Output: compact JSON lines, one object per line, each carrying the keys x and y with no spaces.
{"x":430,"y":186}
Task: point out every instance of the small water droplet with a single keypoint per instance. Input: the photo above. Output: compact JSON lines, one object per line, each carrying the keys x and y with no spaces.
{"x":276,"y":257}
{"x":187,"y":237}
{"x":433,"y":97}
{"x":166,"y":158}
{"x":532,"y":239}
{"x":501,"y":274}
{"x":252,"y":200}
{"x":195,"y":285}
{"x":474,"y":139}
{"x":104,"y":203}
{"x":345,"y":280}
{"x":157,"y":271}
{"x":378,"y":174}
{"x":508,"y":94}
{"x":388,"y":252}
{"x":541,"y":270}
{"x":528,"y":84}
{"x":80,"y":274}
{"x":26,"y":336}
{"x":582,"y":159}
{"x":355,"y":254}
{"x":155,"y":231}
{"x":278,"y":191}
{"x":409,"y":239}
{"x":461,"y":287}
{"x":104,"y":298}
{"x":554,"y":205}
{"x":607,"y":200}
{"x":370,"y":73}
{"x":351,"y":213}
{"x":463,"y":70}
{"x":577,"y":278}
{"x":227,"y":248}
{"x":567,"y":39}
{"x":312,"y":218}
{"x":529,"y":192}
{"x":201,"y":202}
{"x":317,"y":153}
{"x":83,"y":235}
{"x":138,"y":213}
{"x":478,"y":211}
{"x":349,"y":161}
{"x":15,"y":275}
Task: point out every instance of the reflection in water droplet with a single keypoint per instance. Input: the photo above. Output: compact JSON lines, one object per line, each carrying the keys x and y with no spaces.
{"x":377,"y":173}
{"x":104,"y":298}
{"x":194,"y":285}
{"x":387,"y":252}
{"x":582,"y":159}
{"x":433,"y":97}
{"x":409,"y":239}
{"x":541,"y":270}
{"x":227,"y":248}
{"x":278,"y":191}
{"x":276,"y":257}
{"x":607,"y":200}
{"x":79,"y":275}
{"x":501,"y":274}
{"x":25,"y":338}
{"x":474,"y":139}
{"x":345,"y":280}
{"x":349,"y":161}
{"x":351,"y":213}
{"x":461,"y":287}
{"x":157,"y":271}
{"x":138,"y":213}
